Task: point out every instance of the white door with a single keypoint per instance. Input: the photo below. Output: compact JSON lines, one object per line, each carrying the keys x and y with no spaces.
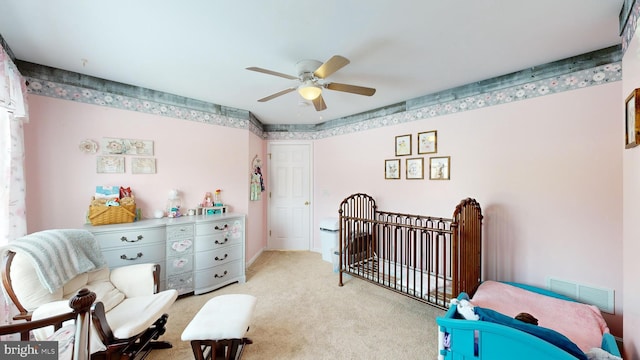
{"x":289,"y":196}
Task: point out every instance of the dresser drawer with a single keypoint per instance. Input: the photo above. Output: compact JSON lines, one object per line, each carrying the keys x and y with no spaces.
{"x":138,"y":254}
{"x":231,"y":228}
{"x":183,"y":283}
{"x":179,"y":264}
{"x":212,"y":277}
{"x":212,"y":242}
{"x":180,"y":231}
{"x":130,"y":238}
{"x":180,"y":247}
{"x":207,"y":259}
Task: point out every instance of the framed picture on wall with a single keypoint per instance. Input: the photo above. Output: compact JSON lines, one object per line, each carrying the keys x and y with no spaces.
{"x":403,"y":145}
{"x":143,"y":165}
{"x":392,"y":169}
{"x":428,"y":142}
{"x":632,"y":119}
{"x":415,"y":168}
{"x":110,"y":164}
{"x":439,"y":168}
{"x":117,"y":146}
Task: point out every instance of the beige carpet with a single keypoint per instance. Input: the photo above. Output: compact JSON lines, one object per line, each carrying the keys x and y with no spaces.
{"x":302,"y":313}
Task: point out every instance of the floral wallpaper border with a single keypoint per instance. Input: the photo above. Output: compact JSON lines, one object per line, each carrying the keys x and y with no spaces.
{"x":571,"y":81}
{"x":102,"y":98}
{"x":576,"y":80}
{"x":631,"y":26}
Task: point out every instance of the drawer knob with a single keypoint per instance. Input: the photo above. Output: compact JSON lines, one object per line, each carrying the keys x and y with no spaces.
{"x":219,"y":276}
{"x":125,"y":239}
{"x":224,"y":242}
{"x":220,"y":259}
{"x":124,"y":257}
{"x":221,"y":228}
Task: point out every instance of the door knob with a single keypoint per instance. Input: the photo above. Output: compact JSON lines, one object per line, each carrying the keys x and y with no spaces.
{"x":306,"y":203}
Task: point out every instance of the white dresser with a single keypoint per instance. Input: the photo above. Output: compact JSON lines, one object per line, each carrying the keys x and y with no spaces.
{"x":196,"y":253}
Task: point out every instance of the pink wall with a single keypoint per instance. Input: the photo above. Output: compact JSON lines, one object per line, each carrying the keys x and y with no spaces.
{"x":257,"y":215}
{"x":547,"y":172}
{"x":631,"y":197}
{"x":192,"y":157}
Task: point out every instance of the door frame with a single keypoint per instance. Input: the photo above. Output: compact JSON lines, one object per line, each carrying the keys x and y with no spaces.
{"x":311,"y":201}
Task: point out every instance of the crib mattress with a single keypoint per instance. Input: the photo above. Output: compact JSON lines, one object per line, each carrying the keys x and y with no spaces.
{"x":439,"y":292}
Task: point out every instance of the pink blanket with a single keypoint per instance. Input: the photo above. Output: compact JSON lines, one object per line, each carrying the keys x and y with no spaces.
{"x":583,"y":324}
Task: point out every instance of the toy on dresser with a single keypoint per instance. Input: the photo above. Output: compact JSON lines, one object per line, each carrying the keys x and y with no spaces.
{"x":207,"y":201}
{"x":212,"y":204}
{"x":174,"y":203}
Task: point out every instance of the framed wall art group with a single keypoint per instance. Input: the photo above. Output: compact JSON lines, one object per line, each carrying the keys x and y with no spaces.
{"x":427,"y":143}
{"x":113,"y":155}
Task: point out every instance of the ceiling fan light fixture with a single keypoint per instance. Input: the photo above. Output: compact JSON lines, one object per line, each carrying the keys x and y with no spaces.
{"x":309,"y":90}
{"x":311,"y":78}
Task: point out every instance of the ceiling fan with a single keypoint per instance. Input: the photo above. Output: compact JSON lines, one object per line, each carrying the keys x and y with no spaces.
{"x":311,"y":75}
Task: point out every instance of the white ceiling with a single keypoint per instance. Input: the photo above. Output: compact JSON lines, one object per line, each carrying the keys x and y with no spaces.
{"x":404,"y":48}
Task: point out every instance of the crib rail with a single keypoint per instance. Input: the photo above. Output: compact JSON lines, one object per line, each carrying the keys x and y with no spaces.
{"x":424,"y":257}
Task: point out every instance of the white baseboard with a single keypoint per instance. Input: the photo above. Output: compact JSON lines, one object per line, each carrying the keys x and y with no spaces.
{"x":254,"y":258}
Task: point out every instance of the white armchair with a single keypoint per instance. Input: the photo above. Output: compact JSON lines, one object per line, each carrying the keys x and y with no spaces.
{"x":129,"y":313}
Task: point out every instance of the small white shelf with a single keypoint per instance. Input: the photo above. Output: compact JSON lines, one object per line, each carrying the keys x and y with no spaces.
{"x":212,"y":210}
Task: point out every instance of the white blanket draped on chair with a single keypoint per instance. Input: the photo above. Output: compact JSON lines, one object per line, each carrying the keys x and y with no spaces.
{"x":59,"y":255}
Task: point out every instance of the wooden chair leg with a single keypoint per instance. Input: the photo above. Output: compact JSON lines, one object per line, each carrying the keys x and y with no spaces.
{"x":197,"y":350}
{"x":233,"y":349}
{"x":228,"y":349}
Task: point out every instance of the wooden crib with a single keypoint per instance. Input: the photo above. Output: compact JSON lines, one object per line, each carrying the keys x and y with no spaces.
{"x":428,"y":258}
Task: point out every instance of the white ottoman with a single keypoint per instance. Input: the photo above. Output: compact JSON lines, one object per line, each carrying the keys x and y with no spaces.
{"x":218,"y":329}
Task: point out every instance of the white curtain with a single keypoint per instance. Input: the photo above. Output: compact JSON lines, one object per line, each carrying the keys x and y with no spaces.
{"x":13,"y":114}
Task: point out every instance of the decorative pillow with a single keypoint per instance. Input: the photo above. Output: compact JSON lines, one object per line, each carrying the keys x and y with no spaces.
{"x":543,"y":333}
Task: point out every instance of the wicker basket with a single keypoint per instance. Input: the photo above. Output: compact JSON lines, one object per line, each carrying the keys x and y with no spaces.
{"x":100,"y":214}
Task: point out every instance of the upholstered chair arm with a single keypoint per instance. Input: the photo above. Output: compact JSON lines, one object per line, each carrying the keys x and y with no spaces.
{"x":51,"y":309}
{"x":136,"y":280}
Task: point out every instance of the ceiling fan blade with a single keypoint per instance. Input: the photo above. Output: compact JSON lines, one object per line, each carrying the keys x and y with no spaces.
{"x":270,"y":72}
{"x":273,"y":96}
{"x":332,"y":65}
{"x":354,"y":89}
{"x":319,"y":103}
